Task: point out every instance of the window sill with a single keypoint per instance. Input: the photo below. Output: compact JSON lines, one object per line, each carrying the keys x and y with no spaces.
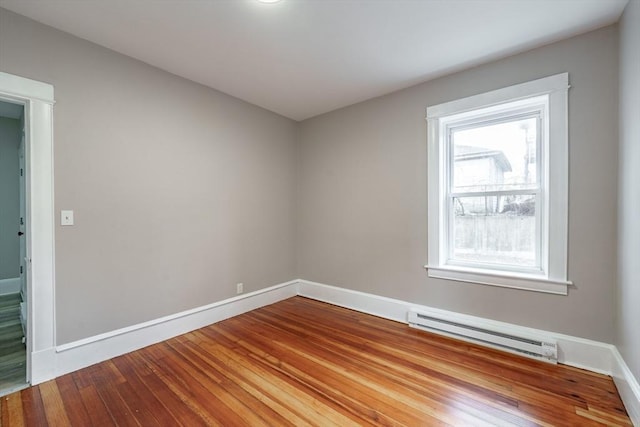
{"x":505,"y":280}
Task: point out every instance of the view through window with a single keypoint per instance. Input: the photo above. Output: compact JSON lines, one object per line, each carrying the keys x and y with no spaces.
{"x":494,"y":191}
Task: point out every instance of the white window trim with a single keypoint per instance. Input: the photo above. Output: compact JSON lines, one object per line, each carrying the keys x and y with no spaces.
{"x":556,"y":155}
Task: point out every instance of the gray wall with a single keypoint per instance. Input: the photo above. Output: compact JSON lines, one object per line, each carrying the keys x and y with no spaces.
{"x":179,"y":191}
{"x":629,"y":189}
{"x":362,"y":187}
{"x":9,"y":198}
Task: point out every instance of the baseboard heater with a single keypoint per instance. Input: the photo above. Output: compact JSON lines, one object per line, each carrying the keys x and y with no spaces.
{"x":533,"y":347}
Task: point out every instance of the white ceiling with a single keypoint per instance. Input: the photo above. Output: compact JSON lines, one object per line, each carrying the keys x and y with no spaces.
{"x":301,"y":58}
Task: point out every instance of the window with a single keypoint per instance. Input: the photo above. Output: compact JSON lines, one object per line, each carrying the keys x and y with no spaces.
{"x":498,"y":187}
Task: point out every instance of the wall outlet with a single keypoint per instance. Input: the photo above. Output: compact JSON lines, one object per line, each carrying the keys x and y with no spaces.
{"x":239,"y":288}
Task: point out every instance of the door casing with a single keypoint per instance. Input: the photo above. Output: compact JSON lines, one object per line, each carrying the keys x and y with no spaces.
{"x":37,"y":98}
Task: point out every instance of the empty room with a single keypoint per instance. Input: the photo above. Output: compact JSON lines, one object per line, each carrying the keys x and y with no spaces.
{"x":319,"y":212}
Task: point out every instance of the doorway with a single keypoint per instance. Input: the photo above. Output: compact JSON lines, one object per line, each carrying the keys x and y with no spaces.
{"x":37,"y":100}
{"x":13,"y":249}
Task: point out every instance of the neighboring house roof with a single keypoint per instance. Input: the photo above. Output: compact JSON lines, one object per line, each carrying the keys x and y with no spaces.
{"x":467,"y":152}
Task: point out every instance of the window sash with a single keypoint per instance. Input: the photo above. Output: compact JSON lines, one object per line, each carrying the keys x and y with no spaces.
{"x":530,"y":191}
{"x":449,"y":247}
{"x":536,"y":109}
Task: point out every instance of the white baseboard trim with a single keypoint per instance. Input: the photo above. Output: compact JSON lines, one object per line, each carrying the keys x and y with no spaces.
{"x":43,"y":367}
{"x":628,"y":387}
{"x":9,"y":286}
{"x":387,"y":308}
{"x":79,"y":354}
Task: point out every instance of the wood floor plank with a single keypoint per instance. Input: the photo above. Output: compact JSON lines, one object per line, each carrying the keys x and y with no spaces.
{"x":15,"y":410}
{"x":302,"y":362}
{"x":612,"y":418}
{"x":52,"y":401}
{"x":4,"y":411}
{"x":197,"y":399}
{"x":135,"y":406}
{"x":601,"y":418}
{"x":138,"y":406}
{"x":114,"y":403}
{"x":180,"y":410}
{"x":72,"y":401}
{"x":32,"y":407}
{"x":139,"y":398}
{"x":12,"y":410}
{"x":98,"y":412}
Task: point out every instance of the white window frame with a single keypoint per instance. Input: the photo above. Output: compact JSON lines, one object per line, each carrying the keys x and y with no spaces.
{"x":549,"y":96}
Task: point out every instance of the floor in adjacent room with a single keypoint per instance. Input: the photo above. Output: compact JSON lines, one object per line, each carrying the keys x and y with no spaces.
{"x":303,"y":362}
{"x":13,"y":354}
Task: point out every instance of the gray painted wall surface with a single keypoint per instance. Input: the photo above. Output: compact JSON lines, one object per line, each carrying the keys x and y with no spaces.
{"x":9,"y":198}
{"x":362,"y":186}
{"x":628,"y":340}
{"x":179,"y":191}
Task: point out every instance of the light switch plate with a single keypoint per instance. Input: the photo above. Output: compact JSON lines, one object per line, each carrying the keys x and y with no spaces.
{"x":66,"y":217}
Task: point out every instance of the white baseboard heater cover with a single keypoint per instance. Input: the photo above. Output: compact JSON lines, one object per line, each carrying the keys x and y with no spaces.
{"x":533,"y":347}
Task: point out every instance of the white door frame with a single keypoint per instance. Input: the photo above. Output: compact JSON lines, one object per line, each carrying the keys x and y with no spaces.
{"x":37,"y":99}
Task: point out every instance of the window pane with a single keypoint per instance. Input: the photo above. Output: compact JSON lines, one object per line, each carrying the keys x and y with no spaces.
{"x":495,"y":229}
{"x":495,"y":157}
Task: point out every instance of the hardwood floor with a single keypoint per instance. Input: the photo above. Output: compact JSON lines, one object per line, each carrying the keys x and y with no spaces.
{"x":301,"y":362}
